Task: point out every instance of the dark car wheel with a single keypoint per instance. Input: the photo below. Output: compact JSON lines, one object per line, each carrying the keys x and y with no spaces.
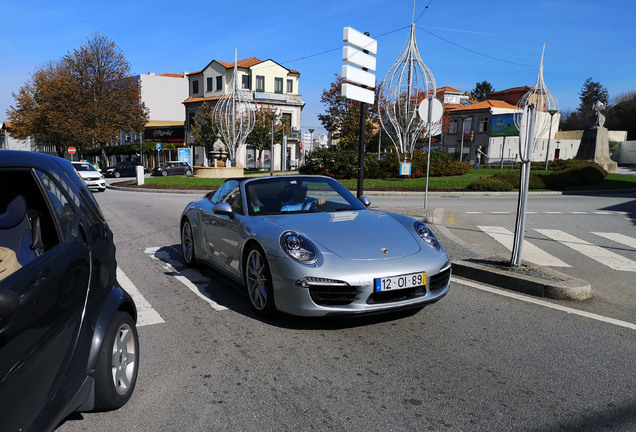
{"x":164,"y":173}
{"x":116,"y":174}
{"x":187,"y":244}
{"x":188,"y":172}
{"x":258,"y":281}
{"x":118,"y":364}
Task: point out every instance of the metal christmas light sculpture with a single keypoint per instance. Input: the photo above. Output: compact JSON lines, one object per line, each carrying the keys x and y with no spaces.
{"x":533,"y":117}
{"x":406,"y":84}
{"x":235,"y":115}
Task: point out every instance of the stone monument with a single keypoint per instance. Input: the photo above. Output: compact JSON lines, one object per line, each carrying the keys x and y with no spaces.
{"x":594,"y":145}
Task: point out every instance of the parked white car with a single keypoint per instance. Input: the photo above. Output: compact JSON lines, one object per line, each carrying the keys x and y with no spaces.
{"x":93,"y":178}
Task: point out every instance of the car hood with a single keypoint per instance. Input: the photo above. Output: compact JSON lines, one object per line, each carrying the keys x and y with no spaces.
{"x":356,"y":235}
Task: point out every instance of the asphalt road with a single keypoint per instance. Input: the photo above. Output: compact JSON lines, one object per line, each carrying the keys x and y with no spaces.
{"x":478,"y":360}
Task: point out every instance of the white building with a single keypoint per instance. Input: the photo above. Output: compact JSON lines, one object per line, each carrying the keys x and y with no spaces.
{"x":163,"y":95}
{"x":267,"y":83}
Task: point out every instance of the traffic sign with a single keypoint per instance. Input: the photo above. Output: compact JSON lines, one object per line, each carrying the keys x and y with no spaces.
{"x":437,"y":110}
{"x":71,"y":150}
{"x":158,"y":146}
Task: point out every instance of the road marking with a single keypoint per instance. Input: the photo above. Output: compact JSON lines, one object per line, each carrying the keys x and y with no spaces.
{"x":529,"y":252}
{"x":472,"y":212}
{"x":597,"y":253}
{"x":191,"y":278}
{"x":146,"y":315}
{"x":451,"y":218}
{"x":500,"y":212}
{"x":618,"y":238}
{"x":544,"y":303}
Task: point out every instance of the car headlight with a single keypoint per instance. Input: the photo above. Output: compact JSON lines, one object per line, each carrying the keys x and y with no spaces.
{"x":298,"y":247}
{"x":426,"y":234}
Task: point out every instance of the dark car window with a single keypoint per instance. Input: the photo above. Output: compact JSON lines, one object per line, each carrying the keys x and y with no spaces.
{"x":225,"y":189}
{"x":61,"y":205}
{"x":235,"y":200}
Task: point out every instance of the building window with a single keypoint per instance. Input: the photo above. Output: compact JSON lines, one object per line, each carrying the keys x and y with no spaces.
{"x":452,"y":128}
{"x":195,"y":86}
{"x":209,"y":84}
{"x":245,"y":82}
{"x":219,"y":83}
{"x":278,"y":85}
{"x":483,"y":124}
{"x":260,"y":83}
{"x":290,"y":86}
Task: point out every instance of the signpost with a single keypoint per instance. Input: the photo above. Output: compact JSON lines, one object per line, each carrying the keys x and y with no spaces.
{"x":430,"y":110}
{"x":158,"y":147}
{"x":360,"y":83}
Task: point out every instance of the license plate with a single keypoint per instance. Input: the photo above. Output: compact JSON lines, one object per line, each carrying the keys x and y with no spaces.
{"x":400,"y":282}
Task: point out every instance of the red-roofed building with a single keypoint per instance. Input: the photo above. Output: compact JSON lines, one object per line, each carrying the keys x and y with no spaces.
{"x":265,"y":82}
{"x":490,"y":123}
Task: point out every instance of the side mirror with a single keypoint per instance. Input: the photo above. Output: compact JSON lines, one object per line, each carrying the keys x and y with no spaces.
{"x":365,"y":201}
{"x":224,"y":209}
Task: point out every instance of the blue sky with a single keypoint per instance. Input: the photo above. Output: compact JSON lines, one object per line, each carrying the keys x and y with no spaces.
{"x":461,"y":41}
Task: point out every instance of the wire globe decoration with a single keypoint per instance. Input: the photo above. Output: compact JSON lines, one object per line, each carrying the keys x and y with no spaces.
{"x":235,"y":116}
{"x":405,"y":85}
{"x":539,"y":103}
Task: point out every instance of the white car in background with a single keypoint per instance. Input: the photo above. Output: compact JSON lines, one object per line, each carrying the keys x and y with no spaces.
{"x":93,"y":178}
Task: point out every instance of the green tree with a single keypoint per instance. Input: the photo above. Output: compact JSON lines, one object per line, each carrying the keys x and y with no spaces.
{"x":203,"y":129}
{"x":481,"y":91}
{"x":591,"y":92}
{"x":621,"y":115}
{"x":86,"y":98}
{"x":261,"y":136}
{"x":342,"y":115}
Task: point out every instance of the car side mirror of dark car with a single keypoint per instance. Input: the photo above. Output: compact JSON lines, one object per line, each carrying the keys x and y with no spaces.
{"x":365,"y":201}
{"x":224,"y":209}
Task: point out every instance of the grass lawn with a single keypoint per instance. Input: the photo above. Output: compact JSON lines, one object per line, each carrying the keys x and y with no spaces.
{"x":611,"y":182}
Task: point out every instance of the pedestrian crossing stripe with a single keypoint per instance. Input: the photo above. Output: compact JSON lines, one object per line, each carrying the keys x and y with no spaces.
{"x":530,"y":252}
{"x":597,"y":253}
{"x":146,"y":315}
{"x":618,"y":238}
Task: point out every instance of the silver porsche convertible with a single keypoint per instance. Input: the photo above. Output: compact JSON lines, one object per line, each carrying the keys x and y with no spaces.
{"x":307,"y":246}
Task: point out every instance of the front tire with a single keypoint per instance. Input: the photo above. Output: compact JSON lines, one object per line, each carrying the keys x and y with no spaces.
{"x":187,"y":244}
{"x":118,"y":364}
{"x":258,"y":281}
{"x":117,"y":174}
{"x":188,"y":173}
{"x":164,"y":173}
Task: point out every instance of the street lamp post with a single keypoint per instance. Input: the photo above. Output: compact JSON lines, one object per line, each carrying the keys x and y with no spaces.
{"x":547,"y":153}
{"x":461,"y":147}
{"x":283,"y":147}
{"x":271,"y":149}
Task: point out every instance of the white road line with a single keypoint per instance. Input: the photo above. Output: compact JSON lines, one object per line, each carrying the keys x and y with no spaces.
{"x":618,"y":238}
{"x":602,"y":213}
{"x":597,"y":253}
{"x":553,"y":212}
{"x":186,"y":277}
{"x":544,"y":303}
{"x":500,"y":212}
{"x":578,"y":212}
{"x":529,"y":252}
{"x":472,"y":212}
{"x":146,"y":315}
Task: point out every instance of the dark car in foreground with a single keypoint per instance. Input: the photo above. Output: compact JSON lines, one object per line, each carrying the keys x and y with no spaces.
{"x":68,"y":337}
{"x":172,"y":168}
{"x":305,"y":245}
{"x":123,"y":169}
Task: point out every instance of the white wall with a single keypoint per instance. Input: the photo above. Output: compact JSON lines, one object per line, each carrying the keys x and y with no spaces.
{"x":164,"y":96}
{"x":627,"y":155}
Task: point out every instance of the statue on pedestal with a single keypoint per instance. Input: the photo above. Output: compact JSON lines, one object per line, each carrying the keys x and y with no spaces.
{"x":594,"y":145}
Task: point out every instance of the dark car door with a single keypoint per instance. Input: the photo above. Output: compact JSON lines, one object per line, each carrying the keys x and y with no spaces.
{"x":42,"y":303}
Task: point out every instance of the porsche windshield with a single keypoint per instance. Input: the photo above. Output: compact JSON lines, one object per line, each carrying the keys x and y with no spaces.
{"x":282,"y":195}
